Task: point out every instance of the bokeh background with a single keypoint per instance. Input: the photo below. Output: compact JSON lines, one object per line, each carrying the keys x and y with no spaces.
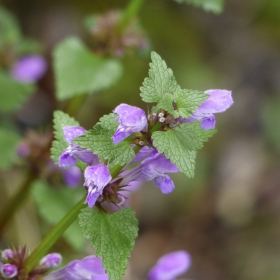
{"x":228,"y":216}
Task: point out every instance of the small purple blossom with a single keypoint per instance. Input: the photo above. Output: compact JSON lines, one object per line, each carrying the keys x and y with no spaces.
{"x":72,"y":176}
{"x":96,"y":178}
{"x":29,"y":69}
{"x":89,"y":268}
{"x":50,"y":261}
{"x":154,"y":167}
{"x":170,"y":266}
{"x":218,"y":101}
{"x":9,"y":270}
{"x":67,"y":158}
{"x":7,"y":254}
{"x":131,"y":119}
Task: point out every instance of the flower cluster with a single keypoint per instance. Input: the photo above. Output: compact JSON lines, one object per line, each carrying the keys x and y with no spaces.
{"x":134,"y":124}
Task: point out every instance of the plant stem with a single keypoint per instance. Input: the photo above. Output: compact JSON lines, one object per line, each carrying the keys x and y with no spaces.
{"x":129,"y":13}
{"x":15,"y":202}
{"x":53,"y":236}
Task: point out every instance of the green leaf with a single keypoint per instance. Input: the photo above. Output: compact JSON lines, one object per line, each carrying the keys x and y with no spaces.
{"x":186,"y":102}
{"x":99,"y":140}
{"x":60,"y":144}
{"x":77,"y":70}
{"x":180,"y":144}
{"x":9,"y":140}
{"x":160,"y":81}
{"x":13,"y":94}
{"x":215,"y":6}
{"x":113,"y":237}
{"x":54,"y":204}
{"x":9,"y":28}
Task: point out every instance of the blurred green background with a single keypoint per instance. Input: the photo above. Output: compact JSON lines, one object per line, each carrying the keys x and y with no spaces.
{"x":228,"y":216}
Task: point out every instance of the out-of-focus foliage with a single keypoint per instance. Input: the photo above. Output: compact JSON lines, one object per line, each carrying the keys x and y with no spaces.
{"x":54,"y":204}
{"x":77,"y":70}
{"x":215,"y":6}
{"x":8,"y":143}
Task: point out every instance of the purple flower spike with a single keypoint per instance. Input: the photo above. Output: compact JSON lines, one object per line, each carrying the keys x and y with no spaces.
{"x":151,"y":168}
{"x":170,"y":266}
{"x":52,"y":260}
{"x":29,"y":69}
{"x":218,"y":101}
{"x":131,"y":119}
{"x":72,"y":176}
{"x":89,"y":268}
{"x":96,"y":178}
{"x":9,"y":270}
{"x":67,"y":158}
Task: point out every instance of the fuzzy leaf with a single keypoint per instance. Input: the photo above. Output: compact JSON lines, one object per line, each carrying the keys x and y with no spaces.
{"x":180,"y":144}
{"x":54,"y":204}
{"x":99,"y":140}
{"x":77,"y":70}
{"x":215,"y":6}
{"x":13,"y":94}
{"x":60,"y":144}
{"x":160,"y":81}
{"x":113,"y":237}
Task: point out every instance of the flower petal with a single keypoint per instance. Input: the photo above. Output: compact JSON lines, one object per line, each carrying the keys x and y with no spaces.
{"x":170,"y":266}
{"x":208,"y":122}
{"x":165,"y":184}
{"x":98,"y":174}
{"x":218,"y":102}
{"x":66,"y":159}
{"x":71,"y":132}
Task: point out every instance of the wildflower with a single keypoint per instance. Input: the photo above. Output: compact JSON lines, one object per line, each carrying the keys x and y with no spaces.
{"x":72,"y":176}
{"x":170,"y":266}
{"x":7,"y":254}
{"x":89,"y":268}
{"x":51,"y":260}
{"x":131,"y":119}
{"x":67,"y":158}
{"x":219,"y":101}
{"x":29,"y":69}
{"x":96,"y":178}
{"x":154,"y":167}
{"x":8,"y":270}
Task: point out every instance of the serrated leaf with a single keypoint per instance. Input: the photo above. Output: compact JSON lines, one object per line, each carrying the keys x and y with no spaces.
{"x":60,"y":144}
{"x":54,"y":204}
{"x":9,"y":140}
{"x":113,"y":237}
{"x":187,"y":101}
{"x":13,"y":94}
{"x":99,"y":140}
{"x":160,"y":81}
{"x":77,"y":70}
{"x":215,"y":6}
{"x":180,"y":144}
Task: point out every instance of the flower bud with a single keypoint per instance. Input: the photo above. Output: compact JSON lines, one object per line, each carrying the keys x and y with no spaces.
{"x":7,"y":254}
{"x":9,"y":270}
{"x":51,"y":260}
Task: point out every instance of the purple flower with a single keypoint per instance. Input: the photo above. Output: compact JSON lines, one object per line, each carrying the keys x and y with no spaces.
{"x":51,"y":260}
{"x":89,"y":268}
{"x":131,"y":119}
{"x":7,"y":254}
{"x":96,"y":178}
{"x":8,"y":270}
{"x":67,"y":158}
{"x":72,"y":176}
{"x":154,"y":167}
{"x":29,"y":69}
{"x":170,"y":266}
{"x":219,"y":101}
